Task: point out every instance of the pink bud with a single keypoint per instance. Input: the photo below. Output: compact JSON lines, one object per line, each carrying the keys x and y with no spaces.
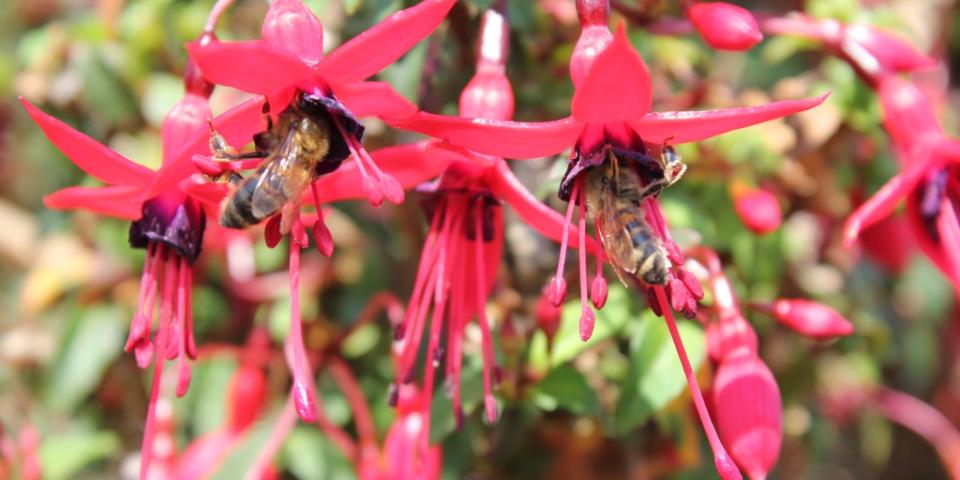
{"x":758,"y":209}
{"x":907,"y":113}
{"x":182,"y":123}
{"x":598,"y":291}
{"x":725,"y":26}
{"x":245,"y":395}
{"x":811,"y":319}
{"x":291,"y":26}
{"x":730,"y":335}
{"x":749,"y":415}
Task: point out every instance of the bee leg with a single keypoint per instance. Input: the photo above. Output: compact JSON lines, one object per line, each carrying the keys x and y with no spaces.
{"x":234,"y":178}
{"x":265,"y":111}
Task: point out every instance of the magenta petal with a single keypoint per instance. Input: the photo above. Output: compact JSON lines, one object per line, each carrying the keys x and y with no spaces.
{"x":251,"y":66}
{"x":506,"y":186}
{"x":291,"y":27}
{"x":373,"y":98}
{"x":410,"y":164}
{"x":617,"y":86}
{"x":385,"y":42}
{"x":118,"y":201}
{"x":884,"y":200}
{"x":692,"y":126}
{"x":237,"y":125}
{"x":501,"y":138}
{"x":88,"y":154}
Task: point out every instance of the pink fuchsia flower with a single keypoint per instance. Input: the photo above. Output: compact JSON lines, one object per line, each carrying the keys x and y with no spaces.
{"x":288,"y":64}
{"x":169,"y":225}
{"x":752,"y":434}
{"x":402,"y":456}
{"x":611,"y":115}
{"x":928,"y":160}
{"x":873,"y":52}
{"x":461,"y":256}
{"x":725,"y":26}
{"x":757,"y":208}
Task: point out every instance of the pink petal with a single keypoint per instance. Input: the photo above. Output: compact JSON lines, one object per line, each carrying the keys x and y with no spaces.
{"x":506,"y":186}
{"x":116,"y":201}
{"x":882,"y":203}
{"x":88,"y":154}
{"x":385,"y":42}
{"x":251,"y":66}
{"x":500,"y":138}
{"x":373,"y":98}
{"x":410,"y":164}
{"x":693,"y":126}
{"x":811,"y":319}
{"x":237,"y":125}
{"x":617,"y":86}
{"x":182,"y":123}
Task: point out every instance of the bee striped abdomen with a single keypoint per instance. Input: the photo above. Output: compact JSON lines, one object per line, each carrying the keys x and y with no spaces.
{"x":649,"y":259}
{"x":237,"y":211}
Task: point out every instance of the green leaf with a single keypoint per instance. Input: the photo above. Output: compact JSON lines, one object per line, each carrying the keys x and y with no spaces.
{"x":610,"y":321}
{"x":309,"y":455}
{"x":241,"y":457}
{"x":204,"y":402}
{"x":64,"y":455}
{"x":443,"y":420}
{"x":656,"y":376}
{"x":566,"y":388}
{"x":86,"y":350}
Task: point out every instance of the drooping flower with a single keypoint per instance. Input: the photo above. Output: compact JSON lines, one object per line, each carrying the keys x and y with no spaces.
{"x":288,"y":67}
{"x":461,"y":256}
{"x":808,"y":318}
{"x":611,"y":115}
{"x":725,"y":26}
{"x":169,"y":225}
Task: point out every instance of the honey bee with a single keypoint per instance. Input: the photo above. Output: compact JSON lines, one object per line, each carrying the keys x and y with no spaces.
{"x":295,"y":149}
{"x":615,"y":193}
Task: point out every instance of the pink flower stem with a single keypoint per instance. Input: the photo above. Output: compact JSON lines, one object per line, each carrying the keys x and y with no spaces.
{"x":281,"y":429}
{"x":357,"y":400}
{"x":725,"y":465}
{"x":925,"y":421}
{"x":215,"y":13}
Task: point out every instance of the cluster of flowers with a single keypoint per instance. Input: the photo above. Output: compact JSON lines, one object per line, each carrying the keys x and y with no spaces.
{"x":463,"y":177}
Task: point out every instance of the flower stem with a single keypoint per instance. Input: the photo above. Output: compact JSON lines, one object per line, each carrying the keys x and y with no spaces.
{"x":725,"y":465}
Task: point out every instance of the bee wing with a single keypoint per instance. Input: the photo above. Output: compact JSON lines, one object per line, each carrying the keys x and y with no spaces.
{"x":616,"y":241}
{"x":284,"y":177}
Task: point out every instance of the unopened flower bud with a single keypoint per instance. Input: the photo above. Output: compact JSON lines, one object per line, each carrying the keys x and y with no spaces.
{"x":810,"y":319}
{"x":291,"y":26}
{"x":878,"y":52}
{"x":749,"y":415}
{"x":246,"y":395}
{"x":725,"y":26}
{"x":758,"y":209}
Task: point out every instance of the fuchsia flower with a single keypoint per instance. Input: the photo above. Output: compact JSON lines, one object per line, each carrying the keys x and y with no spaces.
{"x":461,"y":256}
{"x":169,"y":225}
{"x":611,"y":114}
{"x":810,"y":319}
{"x":288,"y":64}
{"x":725,"y":26}
{"x":401,"y":456}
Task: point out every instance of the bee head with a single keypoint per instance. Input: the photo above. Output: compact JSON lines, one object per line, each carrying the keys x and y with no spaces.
{"x":672,"y":163}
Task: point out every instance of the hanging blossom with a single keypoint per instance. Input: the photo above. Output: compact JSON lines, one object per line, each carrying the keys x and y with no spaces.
{"x":754,"y":434}
{"x":611,"y":114}
{"x":928,"y":158}
{"x":169,"y":224}
{"x":461,"y":256}
{"x":288,"y":65}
